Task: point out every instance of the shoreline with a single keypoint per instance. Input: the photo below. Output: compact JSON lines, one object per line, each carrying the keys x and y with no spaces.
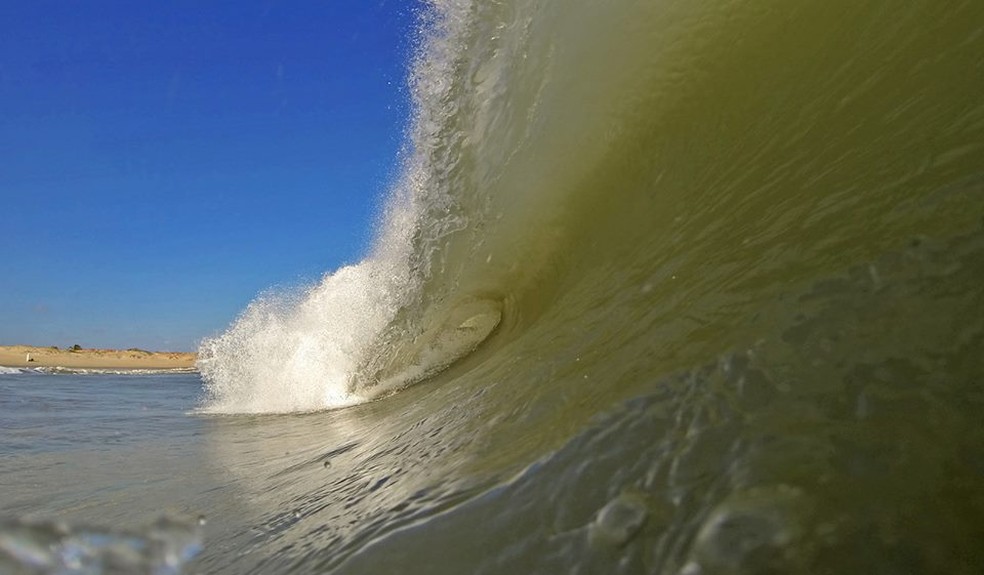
{"x":33,"y":356}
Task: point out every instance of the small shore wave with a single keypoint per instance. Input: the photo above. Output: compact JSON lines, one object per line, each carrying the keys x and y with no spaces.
{"x":60,"y":370}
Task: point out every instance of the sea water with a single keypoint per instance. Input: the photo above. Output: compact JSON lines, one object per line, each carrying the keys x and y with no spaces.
{"x":666,"y":287}
{"x":95,"y":467}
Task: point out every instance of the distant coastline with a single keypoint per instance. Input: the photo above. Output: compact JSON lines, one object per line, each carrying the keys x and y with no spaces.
{"x":31,"y":356}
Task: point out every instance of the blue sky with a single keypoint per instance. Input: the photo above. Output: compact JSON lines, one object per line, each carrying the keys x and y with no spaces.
{"x":161,"y":163}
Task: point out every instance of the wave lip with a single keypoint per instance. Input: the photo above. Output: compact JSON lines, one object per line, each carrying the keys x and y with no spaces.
{"x":290,"y":353}
{"x":364,"y":330}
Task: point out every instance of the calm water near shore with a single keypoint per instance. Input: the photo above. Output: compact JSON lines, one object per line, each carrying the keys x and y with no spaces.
{"x":50,"y":413}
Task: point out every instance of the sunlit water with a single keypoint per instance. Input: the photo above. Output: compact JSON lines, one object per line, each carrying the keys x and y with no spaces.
{"x":667,"y":287}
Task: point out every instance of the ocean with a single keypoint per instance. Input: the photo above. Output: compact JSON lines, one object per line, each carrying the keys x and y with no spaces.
{"x":677,"y":287}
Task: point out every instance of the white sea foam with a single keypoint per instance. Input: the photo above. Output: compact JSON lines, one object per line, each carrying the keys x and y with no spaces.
{"x":319,"y":347}
{"x":477,"y":217}
{"x":297,"y":352}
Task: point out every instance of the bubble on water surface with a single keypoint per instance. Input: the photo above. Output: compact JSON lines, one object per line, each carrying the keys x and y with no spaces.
{"x":619,"y":521}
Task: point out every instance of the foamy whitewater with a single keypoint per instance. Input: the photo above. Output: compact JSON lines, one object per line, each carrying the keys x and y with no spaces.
{"x":682,"y":287}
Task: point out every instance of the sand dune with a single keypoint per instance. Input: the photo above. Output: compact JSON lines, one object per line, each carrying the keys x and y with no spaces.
{"x":29,"y":356}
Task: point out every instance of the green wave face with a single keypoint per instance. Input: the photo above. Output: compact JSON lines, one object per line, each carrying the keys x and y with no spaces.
{"x":713,"y":268}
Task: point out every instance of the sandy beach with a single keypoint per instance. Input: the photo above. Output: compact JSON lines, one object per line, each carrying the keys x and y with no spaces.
{"x":30,"y":356}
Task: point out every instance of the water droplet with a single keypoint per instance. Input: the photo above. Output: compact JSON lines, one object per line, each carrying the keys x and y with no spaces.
{"x":861,"y":410}
{"x":619,"y":520}
{"x":752,"y":532}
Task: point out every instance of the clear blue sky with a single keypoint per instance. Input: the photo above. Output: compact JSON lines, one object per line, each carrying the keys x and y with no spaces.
{"x":161,"y":163}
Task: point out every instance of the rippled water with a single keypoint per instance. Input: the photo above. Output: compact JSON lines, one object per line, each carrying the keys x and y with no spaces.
{"x":667,"y":287}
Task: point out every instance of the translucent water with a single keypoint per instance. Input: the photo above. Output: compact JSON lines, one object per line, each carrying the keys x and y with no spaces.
{"x":666,"y":287}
